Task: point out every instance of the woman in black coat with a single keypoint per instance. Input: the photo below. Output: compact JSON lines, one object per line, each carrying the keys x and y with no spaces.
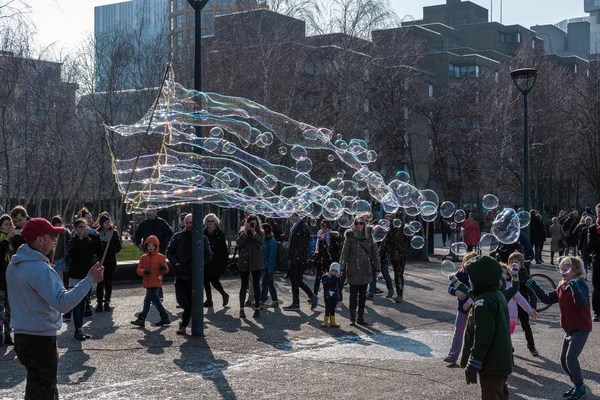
{"x":220,"y":259}
{"x":107,"y":231}
{"x":327,"y":251}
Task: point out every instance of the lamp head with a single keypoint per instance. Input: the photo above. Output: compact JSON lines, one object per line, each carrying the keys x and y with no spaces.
{"x":524,"y":79}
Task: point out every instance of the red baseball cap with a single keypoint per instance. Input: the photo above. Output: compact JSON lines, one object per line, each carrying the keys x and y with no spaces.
{"x":36,"y":227}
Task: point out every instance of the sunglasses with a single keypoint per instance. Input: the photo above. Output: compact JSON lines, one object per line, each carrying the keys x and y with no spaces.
{"x":358,"y":223}
{"x":209,"y":221}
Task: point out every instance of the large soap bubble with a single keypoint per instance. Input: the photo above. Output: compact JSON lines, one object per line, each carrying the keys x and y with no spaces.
{"x":459,"y":248}
{"x":490,"y":202}
{"x":408,"y":231}
{"x":523,"y":219}
{"x":460,"y":216}
{"x":506,"y":227}
{"x":378,"y":233}
{"x":417,"y":242}
{"x":488,"y":243}
{"x":448,"y":268}
{"x":415,"y":226}
{"x":447,"y":209}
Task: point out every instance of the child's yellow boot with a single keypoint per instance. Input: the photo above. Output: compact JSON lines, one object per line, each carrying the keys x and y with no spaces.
{"x":325,"y":321}
{"x":332,"y":322}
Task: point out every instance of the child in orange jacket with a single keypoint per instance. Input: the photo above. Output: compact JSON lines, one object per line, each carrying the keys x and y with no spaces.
{"x":152,"y":267}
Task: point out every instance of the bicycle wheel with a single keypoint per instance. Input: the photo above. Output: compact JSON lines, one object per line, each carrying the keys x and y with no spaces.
{"x":547,"y":285}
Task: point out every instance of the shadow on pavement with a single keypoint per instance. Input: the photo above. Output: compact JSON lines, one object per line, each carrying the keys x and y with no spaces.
{"x":73,"y":363}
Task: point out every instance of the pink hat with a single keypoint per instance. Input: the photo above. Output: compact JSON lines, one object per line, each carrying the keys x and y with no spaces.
{"x":36,"y":227}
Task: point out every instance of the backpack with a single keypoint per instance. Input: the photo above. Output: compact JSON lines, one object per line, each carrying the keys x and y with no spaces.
{"x":282,"y":257}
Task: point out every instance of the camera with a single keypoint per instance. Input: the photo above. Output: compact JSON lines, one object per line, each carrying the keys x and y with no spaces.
{"x":90,"y":231}
{"x":17,"y":231}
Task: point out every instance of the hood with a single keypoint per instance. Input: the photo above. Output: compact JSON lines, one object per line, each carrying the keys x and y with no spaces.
{"x":152,"y":239}
{"x":350,"y":234}
{"x":334,"y":234}
{"x":27,"y":254}
{"x":484,"y":273}
{"x":268,"y":236}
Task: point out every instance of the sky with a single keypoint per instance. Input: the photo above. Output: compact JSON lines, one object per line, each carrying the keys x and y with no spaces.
{"x":66,"y":22}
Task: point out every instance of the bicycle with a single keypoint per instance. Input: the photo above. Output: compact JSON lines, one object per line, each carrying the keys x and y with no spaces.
{"x":545,"y":282}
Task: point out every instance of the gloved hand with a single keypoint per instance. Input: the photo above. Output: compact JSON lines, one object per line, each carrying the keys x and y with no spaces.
{"x":147,"y":271}
{"x":163,"y":267}
{"x":574,"y":285}
{"x":473,"y":367}
{"x":533,"y":285}
{"x":515,"y":269}
{"x":468,"y":304}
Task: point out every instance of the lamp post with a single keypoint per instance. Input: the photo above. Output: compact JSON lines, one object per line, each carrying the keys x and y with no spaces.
{"x":197,"y":209}
{"x":538,"y":193}
{"x":524,"y":79}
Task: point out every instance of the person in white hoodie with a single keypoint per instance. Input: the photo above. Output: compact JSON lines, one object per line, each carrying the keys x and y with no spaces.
{"x":38,"y":298}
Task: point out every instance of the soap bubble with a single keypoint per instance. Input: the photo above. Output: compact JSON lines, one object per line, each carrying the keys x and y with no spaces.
{"x":330,"y":157}
{"x":385,"y":224}
{"x":448,"y":268}
{"x":407,"y":230}
{"x":523,"y":219}
{"x":415,"y":226}
{"x":459,"y":248}
{"x":488,"y":243}
{"x":453,"y":225}
{"x":346,"y":221}
{"x":417,"y":242}
{"x":397,"y":223}
{"x":490,"y":201}
{"x":283,"y":150}
{"x":403,"y":176}
{"x":506,"y":227}
{"x":428,"y":208}
{"x":360,"y":207}
{"x":216,"y":132}
{"x":299,"y":152}
{"x":460,"y":216}
{"x":378,"y":233}
{"x":447,"y":209}
{"x":429,"y":218}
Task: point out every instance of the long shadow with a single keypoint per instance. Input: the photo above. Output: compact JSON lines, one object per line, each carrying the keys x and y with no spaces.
{"x":13,"y":373}
{"x":416,"y":285}
{"x":73,"y":363}
{"x":98,"y":326}
{"x":197,"y":357}
{"x":154,"y":341}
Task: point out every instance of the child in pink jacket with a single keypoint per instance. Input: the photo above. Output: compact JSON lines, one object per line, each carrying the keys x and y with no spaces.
{"x":517,"y":299}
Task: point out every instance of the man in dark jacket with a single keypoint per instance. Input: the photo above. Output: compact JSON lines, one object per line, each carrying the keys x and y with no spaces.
{"x":19,"y":217}
{"x":487,"y":349}
{"x":568,"y":227}
{"x":594,"y":246}
{"x":538,"y":236}
{"x":179,"y":255}
{"x":298,"y":257}
{"x":153,"y":225}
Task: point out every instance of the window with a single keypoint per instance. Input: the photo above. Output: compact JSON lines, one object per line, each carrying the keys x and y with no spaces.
{"x":405,"y":83}
{"x":496,"y":77}
{"x":224,"y":3}
{"x":179,"y":59}
{"x":366,"y":105}
{"x":179,"y":5}
{"x":533,"y":43}
{"x":514,"y":37}
{"x":179,"y":38}
{"x":575,"y":67}
{"x":207,"y":31}
{"x":430,"y":90}
{"x":191,"y":19}
{"x":457,"y":71}
{"x":405,"y":113}
{"x":179,"y":21}
{"x":208,"y":17}
{"x":335,"y":98}
{"x":366,"y":135}
{"x":191,"y":36}
{"x":367,"y":76}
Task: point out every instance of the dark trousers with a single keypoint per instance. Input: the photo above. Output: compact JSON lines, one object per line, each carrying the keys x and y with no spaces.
{"x":445,"y":236}
{"x":4,"y":314}
{"x":493,"y":387}
{"x":298,"y":283}
{"x":245,"y":275}
{"x":39,"y":356}
{"x":360,"y":292}
{"x":399,"y":276}
{"x":268,"y":286}
{"x":104,"y":288}
{"x":330,"y":305}
{"x":318,"y":277}
{"x":538,"y":252}
{"x":596,"y":286}
{"x":560,"y":253}
{"x":79,"y":312}
{"x":183,"y":295}
{"x":572,"y":347}
{"x":215,"y":281}
{"x":524,"y":319}
{"x":152,"y":298}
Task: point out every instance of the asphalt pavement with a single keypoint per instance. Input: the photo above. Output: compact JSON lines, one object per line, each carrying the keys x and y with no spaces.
{"x":286,"y":355}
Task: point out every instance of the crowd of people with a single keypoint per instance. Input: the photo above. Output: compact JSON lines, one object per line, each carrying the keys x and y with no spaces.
{"x":67,"y":264}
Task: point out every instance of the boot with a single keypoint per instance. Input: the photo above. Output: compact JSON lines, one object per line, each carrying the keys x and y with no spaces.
{"x":225,"y":299}
{"x":361,"y":317}
{"x":140,"y":321}
{"x":8,"y":340}
{"x":325,"y":321}
{"x":208,"y":303}
{"x":352,"y":317}
{"x":164,"y":320}
{"x":107,"y":306}
{"x":332,"y":322}
{"x":99,"y":307}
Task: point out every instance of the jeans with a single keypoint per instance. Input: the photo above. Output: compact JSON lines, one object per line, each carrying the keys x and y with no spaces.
{"x":245,"y":275}
{"x":268,"y":285}
{"x":459,"y":332}
{"x":152,"y":297}
{"x":106,"y":285}
{"x":524,"y":319}
{"x":359,"y":291}
{"x":493,"y":387}
{"x":214,"y":280}
{"x":330,"y":305}
{"x":298,"y":283}
{"x":399,"y":276}
{"x":4,"y":313}
{"x":573,"y":343}
{"x":388,"y":280}
{"x":39,"y":356}
{"x":78,"y":312}
{"x":183,"y":294}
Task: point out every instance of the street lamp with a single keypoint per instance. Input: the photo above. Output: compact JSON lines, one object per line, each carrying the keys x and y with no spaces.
{"x":197,"y":209}
{"x":524,"y":79}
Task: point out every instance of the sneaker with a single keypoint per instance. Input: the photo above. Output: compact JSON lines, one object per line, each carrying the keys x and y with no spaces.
{"x":107,"y":307}
{"x":225,"y":300}
{"x":378,"y":292}
{"x":274,"y":304}
{"x":139,"y":322}
{"x":596,"y":318}
{"x":208,"y":304}
{"x":315,"y":303}
{"x":534,"y":352}
{"x":390,"y":294}
{"x":262,"y":305}
{"x":242,"y":314}
{"x":370,"y":296}
{"x":569,"y":392}
{"x":79,"y":335}
{"x":164,"y":320}
{"x":181,"y":331}
{"x":99,"y":308}
{"x":256,"y":314}
{"x":398,"y":299}
{"x":449,"y":360}
{"x":248,"y":303}
{"x":578,"y":393}
{"x":292,"y":307}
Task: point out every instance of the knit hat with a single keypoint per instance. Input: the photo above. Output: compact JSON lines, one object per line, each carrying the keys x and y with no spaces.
{"x":334,"y":266}
{"x":103,"y":219}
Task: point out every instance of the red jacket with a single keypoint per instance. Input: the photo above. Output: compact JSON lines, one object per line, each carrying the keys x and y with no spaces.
{"x":153,"y":262}
{"x":472,"y":233}
{"x":573,"y":318}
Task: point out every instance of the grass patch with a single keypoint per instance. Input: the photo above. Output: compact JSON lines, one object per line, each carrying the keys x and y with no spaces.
{"x":129,"y":252}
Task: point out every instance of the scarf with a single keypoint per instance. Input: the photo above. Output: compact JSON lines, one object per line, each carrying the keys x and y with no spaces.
{"x":8,"y":255}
